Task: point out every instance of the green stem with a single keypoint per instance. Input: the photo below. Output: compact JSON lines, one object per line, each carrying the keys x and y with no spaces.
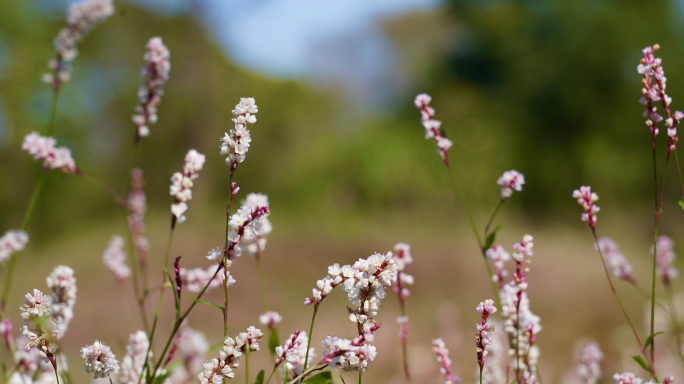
{"x":308,"y":343}
{"x":53,"y":115}
{"x":491,"y":218}
{"x":247,"y":362}
{"x":464,"y":202}
{"x":271,"y":375}
{"x":656,"y":215}
{"x":679,"y":172}
{"x":306,"y":373}
{"x":622,"y":307}
{"x":360,"y":373}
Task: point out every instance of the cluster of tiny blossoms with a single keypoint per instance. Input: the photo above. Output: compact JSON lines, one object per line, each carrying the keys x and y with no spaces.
{"x":137,"y":205}
{"x":586,"y":198}
{"x":99,"y":360}
{"x":136,"y":356}
{"x":114,"y":258}
{"x":195,"y":279}
{"x":82,"y":17}
{"x":45,"y":149}
{"x":630,"y":378}
{"x":442,"y":353}
{"x":38,"y":324}
{"x":218,"y":370}
{"x":655,"y":83}
{"x":520,"y":323}
{"x":255,"y":241}
{"x":432,"y":126}
{"x":244,"y":226}
{"x":293,"y":353}
{"x":350,"y":355}
{"x":482,"y":338}
{"x":510,"y":181}
{"x":270,"y":319}
{"x":235,"y":143}
{"x":615,"y":261}
{"x":498,"y":256}
{"x":589,"y":367}
{"x":149,"y":95}
{"x":182,"y":182}
{"x":665,"y":258}
{"x":11,"y":243}
{"x":364,"y":282}
{"x":63,"y":285}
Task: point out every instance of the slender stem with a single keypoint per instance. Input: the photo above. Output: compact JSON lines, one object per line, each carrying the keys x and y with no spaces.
{"x":491,"y":218}
{"x":308,"y":343}
{"x":360,"y":373}
{"x":225,"y":304}
{"x":402,"y":310}
{"x":53,"y":360}
{"x":656,"y":216}
{"x":247,"y":363}
{"x":271,"y":375}
{"x":233,"y":167}
{"x":617,"y":298}
{"x":53,"y":114}
{"x":262,"y":285}
{"x":307,"y":372}
{"x":464,"y":202}
{"x":679,"y":172}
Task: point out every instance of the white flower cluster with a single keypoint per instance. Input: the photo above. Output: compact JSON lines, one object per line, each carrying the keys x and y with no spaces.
{"x":82,"y":17}
{"x":522,"y":250}
{"x":586,"y":198}
{"x":442,"y":352}
{"x":615,"y":261}
{"x":195,"y":279}
{"x":589,"y":367}
{"x":245,"y":227}
{"x":137,"y":205}
{"x":63,"y":285}
{"x":348,"y":355}
{"x":12,"y":242}
{"x":364,"y":282}
{"x":482,"y":337}
{"x":402,"y":257}
{"x":192,"y":345}
{"x":38,"y":324}
{"x":510,"y":181}
{"x":498,"y":256}
{"x":665,"y":258}
{"x":235,"y":143}
{"x":182,"y":182}
{"x":427,"y":117}
{"x":133,"y":362}
{"x":99,"y":360}
{"x":261,"y":228}
{"x":114,"y":258}
{"x":216,"y":371}
{"x":45,"y":149}
{"x":293,"y":354}
{"x":149,"y":95}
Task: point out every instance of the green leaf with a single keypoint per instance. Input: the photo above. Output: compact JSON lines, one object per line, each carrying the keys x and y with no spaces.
{"x":321,"y":378}
{"x":650,"y":338}
{"x":641,"y":362}
{"x":203,"y":302}
{"x":160,"y":379}
{"x":681,"y":202}
{"x":260,"y":378}
{"x":491,"y":237}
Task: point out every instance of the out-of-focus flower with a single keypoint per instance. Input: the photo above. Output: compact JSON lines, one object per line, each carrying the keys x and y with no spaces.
{"x":99,"y":360}
{"x":135,"y":358}
{"x":114,"y":258}
{"x":615,"y":260}
{"x":665,"y":258}
{"x":39,"y":327}
{"x":63,"y":285}
{"x":432,"y":126}
{"x":589,"y":367}
{"x":442,"y":352}
{"x":510,"y":181}
{"x":182,"y":182}
{"x":45,"y":149}
{"x":12,"y":242}
{"x":156,"y":69}
{"x":82,"y":17}
{"x":270,"y":319}
{"x":195,"y":279}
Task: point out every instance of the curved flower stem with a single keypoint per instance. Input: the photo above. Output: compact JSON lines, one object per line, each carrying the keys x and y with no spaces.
{"x":491,"y":218}
{"x":307,"y":372}
{"x":308,"y":343}
{"x":622,"y":307}
{"x":360,"y":373}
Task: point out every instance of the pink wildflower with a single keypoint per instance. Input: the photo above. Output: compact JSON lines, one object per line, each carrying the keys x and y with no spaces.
{"x":235,"y":144}
{"x":442,"y":352}
{"x":137,"y":205}
{"x":482,"y":338}
{"x":589,"y":367}
{"x":498,"y":256}
{"x":195,"y":279}
{"x":181,"y":184}
{"x":615,"y":260}
{"x":626,"y":378}
{"x":665,"y":258}
{"x":99,"y":360}
{"x":44,"y":148}
{"x":586,"y":198}
{"x":270,"y":319}
{"x":510,"y":181}
{"x":114,"y":258}
{"x":432,"y":126}
{"x":219,"y":370}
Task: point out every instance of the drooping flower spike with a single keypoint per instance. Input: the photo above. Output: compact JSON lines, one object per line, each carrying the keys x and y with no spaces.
{"x":432,"y":126}
{"x":45,"y":149}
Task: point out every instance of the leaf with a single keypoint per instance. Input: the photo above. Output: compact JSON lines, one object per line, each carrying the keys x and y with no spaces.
{"x":491,"y":237}
{"x":160,"y":379}
{"x":260,"y":378}
{"x":641,"y":362}
{"x":650,"y":338}
{"x":321,"y":378}
{"x":203,"y":302}
{"x":681,"y":202}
